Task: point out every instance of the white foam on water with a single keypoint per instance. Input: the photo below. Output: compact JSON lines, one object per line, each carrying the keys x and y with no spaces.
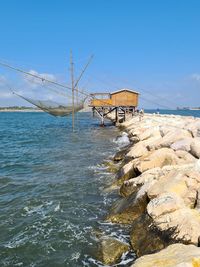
{"x":124,"y":261}
{"x":17,"y":241}
{"x":75,"y":256}
{"x":97,"y":168}
{"x":40,"y":209}
{"x":57,"y":208}
{"x":88,"y":261}
{"x":122,"y":140}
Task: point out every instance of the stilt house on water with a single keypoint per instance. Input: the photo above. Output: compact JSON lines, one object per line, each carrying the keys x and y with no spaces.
{"x":122,"y":102}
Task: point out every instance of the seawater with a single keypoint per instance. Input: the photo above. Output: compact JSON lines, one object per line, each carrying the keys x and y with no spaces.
{"x":52,"y":197}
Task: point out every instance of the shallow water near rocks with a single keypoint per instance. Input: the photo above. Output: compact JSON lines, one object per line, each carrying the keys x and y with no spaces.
{"x":52,"y":197}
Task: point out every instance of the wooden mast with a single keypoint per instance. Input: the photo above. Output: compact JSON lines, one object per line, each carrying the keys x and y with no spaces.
{"x":72,"y":84}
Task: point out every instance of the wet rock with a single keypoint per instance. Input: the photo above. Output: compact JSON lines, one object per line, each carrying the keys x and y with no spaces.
{"x":176,"y":255}
{"x":120,"y":155}
{"x":111,"y":250}
{"x":125,"y":173}
{"x":144,"y":238}
{"x":126,"y":210}
{"x":112,"y":167}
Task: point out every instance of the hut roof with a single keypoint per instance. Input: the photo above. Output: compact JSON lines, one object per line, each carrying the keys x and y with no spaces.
{"x":124,"y":89}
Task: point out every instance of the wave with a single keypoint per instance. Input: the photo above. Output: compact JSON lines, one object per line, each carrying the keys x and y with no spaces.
{"x":122,"y":140}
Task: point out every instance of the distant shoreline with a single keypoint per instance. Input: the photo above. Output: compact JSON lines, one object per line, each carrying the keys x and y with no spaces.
{"x":21,"y":110}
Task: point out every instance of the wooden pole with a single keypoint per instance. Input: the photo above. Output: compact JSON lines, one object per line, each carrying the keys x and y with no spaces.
{"x":72,"y":83}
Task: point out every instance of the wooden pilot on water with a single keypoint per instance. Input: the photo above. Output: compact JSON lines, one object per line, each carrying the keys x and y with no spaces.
{"x":122,"y":102}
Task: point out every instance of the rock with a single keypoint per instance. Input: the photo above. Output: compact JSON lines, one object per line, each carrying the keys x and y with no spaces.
{"x":158,"y":158}
{"x":183,"y":183}
{"x":137,"y":150}
{"x":125,"y":173}
{"x":120,"y":155}
{"x":132,"y":185}
{"x":183,"y":144}
{"x":170,"y":138}
{"x":150,"y":132}
{"x":197,"y":166}
{"x":195,"y":148}
{"x":134,"y":139}
{"x":176,"y":255}
{"x":144,"y":238}
{"x":179,"y":223}
{"x":194,"y":128}
{"x":112,"y":167}
{"x":126,"y":210}
{"x":185,"y":157}
{"x":111,"y":250}
{"x":140,"y":149}
{"x":164,"y":204}
{"x":165,"y":130}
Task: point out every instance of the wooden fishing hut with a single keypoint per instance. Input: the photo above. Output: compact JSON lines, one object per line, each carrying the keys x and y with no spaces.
{"x":122,"y":102}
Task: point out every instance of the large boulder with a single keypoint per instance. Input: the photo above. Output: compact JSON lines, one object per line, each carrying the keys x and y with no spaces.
{"x":144,"y":238}
{"x":126,"y":172}
{"x":126,"y":210}
{"x":137,"y":150}
{"x":164,"y":204}
{"x":150,"y":132}
{"x":144,"y":181}
{"x":170,"y":215}
{"x":170,"y":138}
{"x":158,"y":158}
{"x":134,"y":184}
{"x":183,"y":144}
{"x":183,"y":183}
{"x":176,"y":255}
{"x":140,"y":149}
{"x":111,"y":250}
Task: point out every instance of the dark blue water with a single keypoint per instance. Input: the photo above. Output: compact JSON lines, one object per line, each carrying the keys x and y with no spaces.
{"x":52,"y":197}
{"x":194,"y":113}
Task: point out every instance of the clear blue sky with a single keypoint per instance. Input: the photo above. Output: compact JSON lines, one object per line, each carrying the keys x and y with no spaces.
{"x":151,"y":45}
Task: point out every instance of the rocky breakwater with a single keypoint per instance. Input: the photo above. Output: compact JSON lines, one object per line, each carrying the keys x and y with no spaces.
{"x":159,"y":184}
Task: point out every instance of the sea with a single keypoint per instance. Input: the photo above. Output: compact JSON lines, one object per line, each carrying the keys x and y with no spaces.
{"x":54,"y":189}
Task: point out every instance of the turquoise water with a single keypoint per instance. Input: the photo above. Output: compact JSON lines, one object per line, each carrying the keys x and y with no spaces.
{"x":52,"y":196}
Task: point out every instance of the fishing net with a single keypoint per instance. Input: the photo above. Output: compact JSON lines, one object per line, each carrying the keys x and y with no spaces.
{"x":54,"y":108}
